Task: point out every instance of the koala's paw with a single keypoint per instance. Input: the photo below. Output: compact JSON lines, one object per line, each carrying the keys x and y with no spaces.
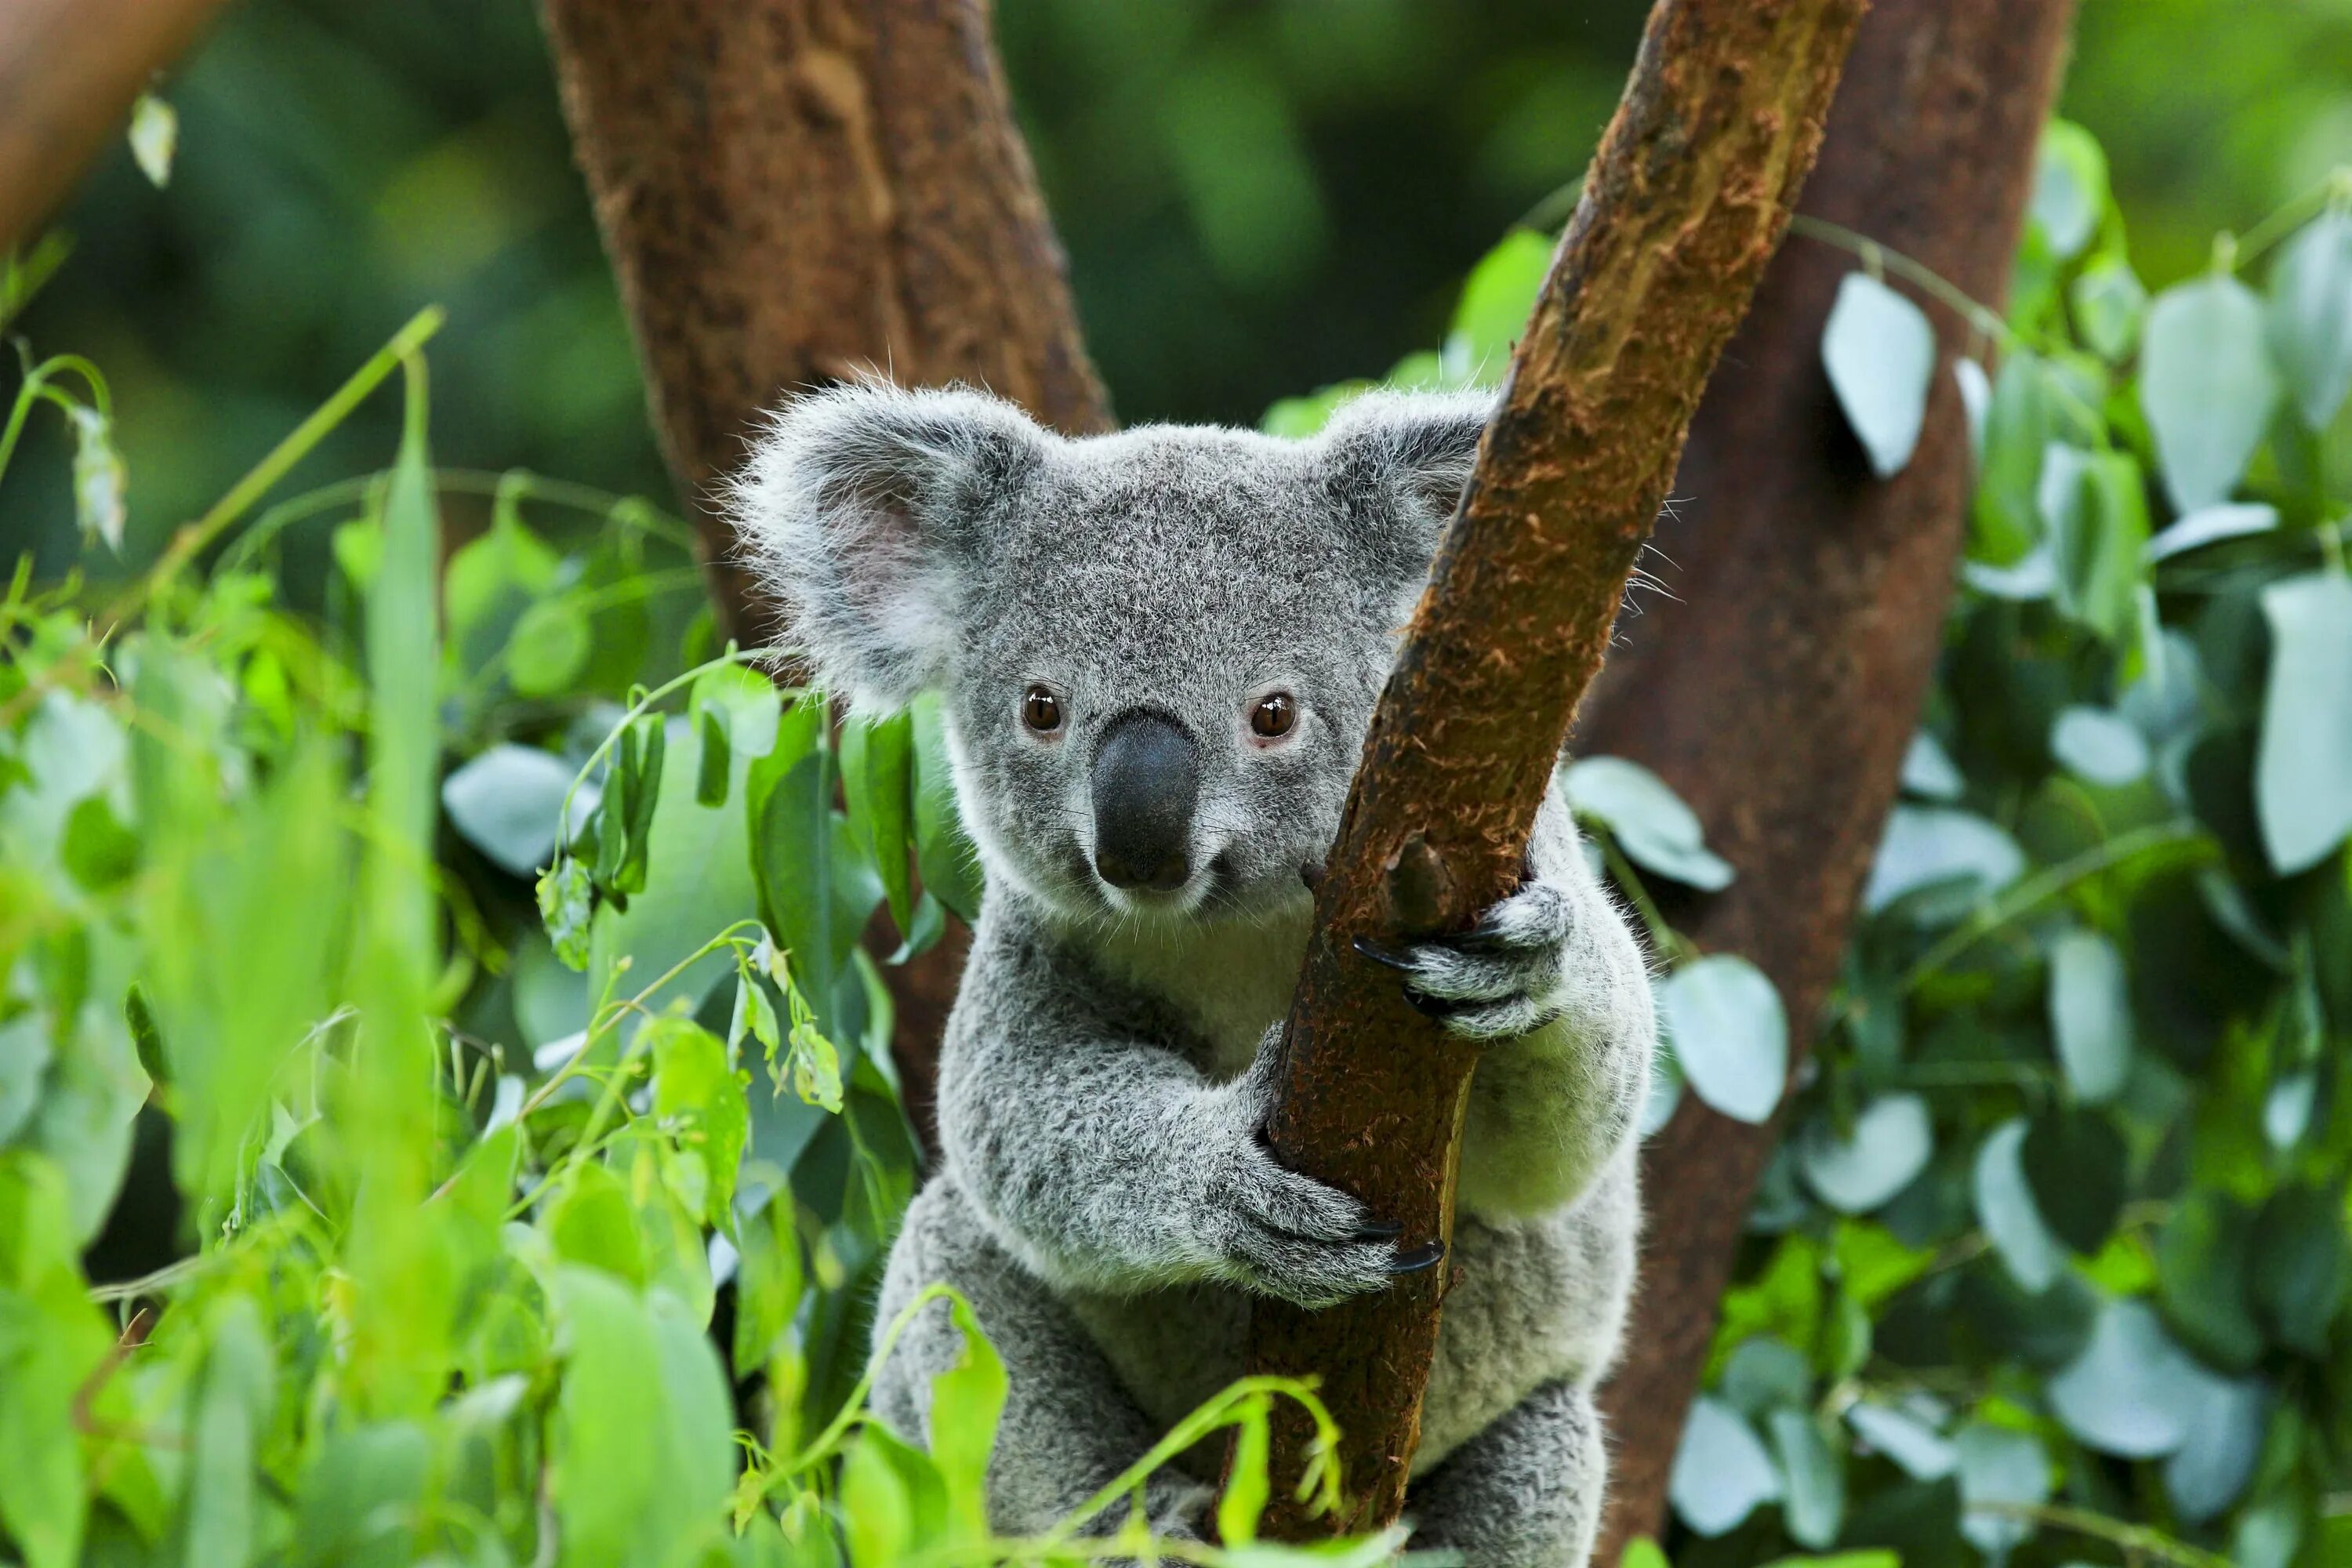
{"x":1499,"y":979}
{"x":1285,"y":1234}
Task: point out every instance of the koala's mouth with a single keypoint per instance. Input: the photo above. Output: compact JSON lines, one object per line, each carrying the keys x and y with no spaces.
{"x":1218,"y":887}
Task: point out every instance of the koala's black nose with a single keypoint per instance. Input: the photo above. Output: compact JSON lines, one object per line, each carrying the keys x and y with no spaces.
{"x":1147,"y":773}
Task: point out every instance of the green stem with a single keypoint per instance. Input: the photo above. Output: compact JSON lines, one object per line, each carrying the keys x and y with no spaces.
{"x":2036,"y":891}
{"x":1983,"y":318}
{"x":2130,"y":1538}
{"x":292,"y":449}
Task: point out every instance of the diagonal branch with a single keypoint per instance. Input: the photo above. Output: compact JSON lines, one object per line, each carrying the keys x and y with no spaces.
{"x":1684,"y":204}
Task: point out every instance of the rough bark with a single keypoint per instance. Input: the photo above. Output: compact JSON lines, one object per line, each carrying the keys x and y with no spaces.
{"x":1777,"y":688}
{"x":1684,"y":205}
{"x":793,"y":191}
{"x":69,"y":72}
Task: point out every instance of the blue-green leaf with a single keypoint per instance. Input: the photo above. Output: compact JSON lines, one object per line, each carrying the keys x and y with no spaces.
{"x":1880,"y":352}
{"x":1891,"y":1143}
{"x":2070,"y":187}
{"x":2211,"y":526}
{"x":1722,"y":1473}
{"x":2005,"y":1207}
{"x":1925,"y":846}
{"x":2090,"y":1014}
{"x":2303,"y":769}
{"x":2210,"y":1469}
{"x":2132,"y":1392}
{"x":1813,"y":1510}
{"x":2311,"y":316}
{"x":1729,"y":1033}
{"x":2206,"y":385}
{"x":2099,"y":746}
{"x":1647,"y":818}
{"x":506,"y":803}
{"x":2000,"y":1464}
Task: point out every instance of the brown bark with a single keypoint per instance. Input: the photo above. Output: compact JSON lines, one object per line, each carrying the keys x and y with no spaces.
{"x":1777,"y":689}
{"x":69,"y":70}
{"x":793,"y":191}
{"x":1685,"y":201}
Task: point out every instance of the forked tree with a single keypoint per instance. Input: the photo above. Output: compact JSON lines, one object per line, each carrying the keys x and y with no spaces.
{"x":794,"y":190}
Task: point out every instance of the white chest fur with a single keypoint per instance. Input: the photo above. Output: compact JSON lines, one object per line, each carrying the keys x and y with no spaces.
{"x":1229,"y":979}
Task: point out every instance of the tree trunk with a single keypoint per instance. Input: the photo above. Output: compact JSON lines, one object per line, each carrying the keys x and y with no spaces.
{"x":793,"y":191}
{"x":1778,"y":687}
{"x":69,"y":72}
{"x":1685,"y":203}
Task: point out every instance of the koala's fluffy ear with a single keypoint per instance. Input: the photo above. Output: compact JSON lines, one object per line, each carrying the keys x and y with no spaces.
{"x":862,"y":507}
{"x":1394,"y":463}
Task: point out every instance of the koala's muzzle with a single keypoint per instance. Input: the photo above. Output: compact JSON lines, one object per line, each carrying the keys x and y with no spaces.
{"x":1147,"y":777}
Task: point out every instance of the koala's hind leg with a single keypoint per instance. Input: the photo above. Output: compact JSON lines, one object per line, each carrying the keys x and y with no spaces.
{"x":1068,"y":1427}
{"x":1524,"y":1493}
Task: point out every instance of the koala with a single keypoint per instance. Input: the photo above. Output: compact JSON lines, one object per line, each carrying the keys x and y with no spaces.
{"x":1157,"y":654}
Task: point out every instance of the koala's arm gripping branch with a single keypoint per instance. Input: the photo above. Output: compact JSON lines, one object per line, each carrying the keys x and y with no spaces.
{"x":1684,"y":204}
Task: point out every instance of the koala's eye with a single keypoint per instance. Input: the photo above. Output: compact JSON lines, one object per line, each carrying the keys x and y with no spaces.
{"x":1041,"y":711}
{"x":1274,"y":715}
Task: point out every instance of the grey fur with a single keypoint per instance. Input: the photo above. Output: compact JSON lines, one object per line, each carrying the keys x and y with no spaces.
{"x":1105,"y":1198}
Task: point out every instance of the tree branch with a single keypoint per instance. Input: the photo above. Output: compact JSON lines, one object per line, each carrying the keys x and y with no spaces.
{"x":1685,"y":203}
{"x":69,"y":70}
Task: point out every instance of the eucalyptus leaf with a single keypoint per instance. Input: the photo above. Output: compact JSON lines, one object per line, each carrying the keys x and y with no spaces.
{"x":2000,"y":1466}
{"x":1813,"y":1474}
{"x":1929,"y":771}
{"x":2074,"y":1162}
{"x":2090,"y":1014}
{"x":2211,"y":525}
{"x":2132,"y":1392}
{"x":1729,"y":1033}
{"x":2070,"y":187}
{"x":2216,"y":1459}
{"x":1648,"y":820}
{"x":2099,"y":747}
{"x":506,"y":802}
{"x":1927,"y":845}
{"x":2303,"y":769}
{"x":2005,"y":1207}
{"x":2310,"y":316}
{"x":2206,"y":385}
{"x":1722,"y":1473}
{"x":2109,"y":301}
{"x":1879,"y":349}
{"x":1890,"y":1143}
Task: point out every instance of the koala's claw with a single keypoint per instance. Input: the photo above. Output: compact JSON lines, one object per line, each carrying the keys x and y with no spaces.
{"x":1497,"y":978}
{"x":1421,"y":1259}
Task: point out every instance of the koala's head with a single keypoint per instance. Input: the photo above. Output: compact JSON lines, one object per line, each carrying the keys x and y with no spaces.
{"x":1159,"y":651}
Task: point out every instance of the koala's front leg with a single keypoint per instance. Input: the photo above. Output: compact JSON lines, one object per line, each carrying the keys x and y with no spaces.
{"x":1111,"y":1164}
{"x":1552,"y":983}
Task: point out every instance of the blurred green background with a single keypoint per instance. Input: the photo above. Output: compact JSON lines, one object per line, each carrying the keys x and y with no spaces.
{"x":1259,"y":196}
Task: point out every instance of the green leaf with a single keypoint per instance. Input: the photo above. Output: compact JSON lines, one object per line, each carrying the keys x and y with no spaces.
{"x":698,"y":883}
{"x":2005,"y":520}
{"x":2203,"y":1261}
{"x":967,"y":1399}
{"x":1729,"y":1033}
{"x":1763,"y":1374}
{"x":699,"y":1098}
{"x":2070,"y":187}
{"x":1925,"y":846}
{"x":2206,"y":385}
{"x":949,"y":866}
{"x":1721,"y":1473}
{"x":2215,"y":1461}
{"x":2303,"y":768}
{"x":2098,"y":746}
{"x":711,"y":780}
{"x":98,"y":478}
{"x":2310,"y":316}
{"x":877,"y":779}
{"x":768,"y":1285}
{"x":507,"y":803}
{"x":1880,"y":352}
{"x":1891,"y":1143}
{"x":613,"y":1497}
{"x":2090,"y":1014}
{"x":1905,"y":1437}
{"x":1646,"y":817}
{"x":1497,"y":300}
{"x":2000,"y":1464}
{"x":2211,"y":526}
{"x":2074,"y":1162}
{"x":565,"y":898}
{"x":2096,"y":508}
{"x":591,"y":1221}
{"x":2108,"y":301}
{"x":2132,"y":1392}
{"x":2303,"y":1266}
{"x":549,"y":647}
{"x":1929,"y":772}
{"x":360,"y":1501}
{"x":99,"y":853}
{"x":228,"y":1417}
{"x":52,"y":1341}
{"x":1813,"y":1510}
{"x":154,"y":136}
